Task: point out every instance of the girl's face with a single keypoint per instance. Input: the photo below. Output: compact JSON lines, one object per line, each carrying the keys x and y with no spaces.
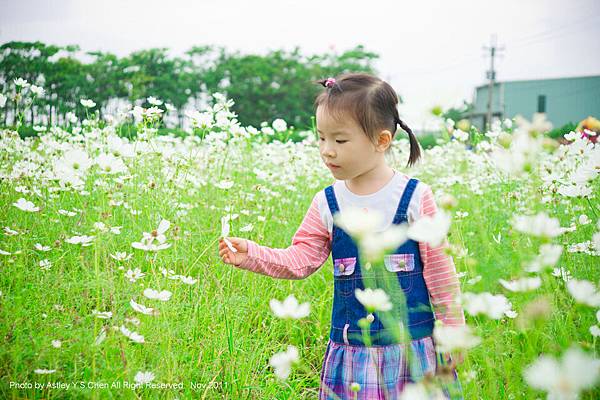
{"x":345,"y":148}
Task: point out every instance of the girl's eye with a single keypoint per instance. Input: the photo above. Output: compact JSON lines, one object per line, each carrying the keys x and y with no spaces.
{"x":341,"y":141}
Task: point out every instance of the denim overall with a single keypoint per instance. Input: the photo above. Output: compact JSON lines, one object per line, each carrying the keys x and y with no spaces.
{"x":404,"y":262}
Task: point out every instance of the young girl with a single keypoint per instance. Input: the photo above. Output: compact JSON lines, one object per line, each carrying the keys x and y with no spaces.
{"x":356,"y":119}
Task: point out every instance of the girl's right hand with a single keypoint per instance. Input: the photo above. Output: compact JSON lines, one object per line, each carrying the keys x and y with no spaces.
{"x":228,"y":256}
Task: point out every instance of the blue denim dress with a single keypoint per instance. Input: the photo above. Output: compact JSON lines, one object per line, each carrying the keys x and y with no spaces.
{"x":383,"y":368}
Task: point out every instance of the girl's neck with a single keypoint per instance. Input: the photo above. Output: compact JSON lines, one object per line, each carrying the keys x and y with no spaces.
{"x":370,"y":181}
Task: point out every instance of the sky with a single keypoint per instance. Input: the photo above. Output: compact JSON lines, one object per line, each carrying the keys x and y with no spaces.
{"x":431,"y":52}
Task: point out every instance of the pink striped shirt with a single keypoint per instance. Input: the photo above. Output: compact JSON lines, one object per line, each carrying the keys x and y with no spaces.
{"x":311,"y":247}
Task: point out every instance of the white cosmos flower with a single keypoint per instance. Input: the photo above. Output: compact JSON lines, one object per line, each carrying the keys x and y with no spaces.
{"x":225,"y":233}
{"x":450,"y":338}
{"x":21,"y":82}
{"x":134,"y":275}
{"x":82,"y":240}
{"x":67,"y":213}
{"x":358,"y":223}
{"x":188,"y":280}
{"x":224,"y":184}
{"x":373,"y":246}
{"x":548,"y":257}
{"x":109,"y":164}
{"x":144,"y":377}
{"x":373,"y":299}
{"x":540,"y":225}
{"x":247,"y":228}
{"x":584,"y":219}
{"x":56,"y":344}
{"x":45,"y":264}
{"x":87,"y":103}
{"x":121,"y":256}
{"x":37,"y":90}
{"x":163,"y":295}
{"x":279,"y":125}
{"x":564,"y":378}
{"x":10,"y":232}
{"x":154,"y":101}
{"x":134,"y":336}
{"x":39,"y":247}
{"x":102,"y":314}
{"x":289,"y":308}
{"x":492,"y":306}
{"x":282,"y":362}
{"x":44,"y":371}
{"x":584,"y":292}
{"x":25,"y":205}
{"x":158,"y":235}
{"x":3,"y":99}
{"x":141,"y":308}
{"x":522,"y":285}
{"x":432,"y":230}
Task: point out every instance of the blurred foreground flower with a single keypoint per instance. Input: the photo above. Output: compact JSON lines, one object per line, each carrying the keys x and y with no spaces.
{"x":289,"y":308}
{"x":282,"y":362}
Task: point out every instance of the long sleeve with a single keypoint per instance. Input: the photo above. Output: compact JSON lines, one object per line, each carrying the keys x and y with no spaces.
{"x":439,"y":272}
{"x":311,"y":246}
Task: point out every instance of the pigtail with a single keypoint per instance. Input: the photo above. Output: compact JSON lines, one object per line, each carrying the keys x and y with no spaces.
{"x":415,"y":151}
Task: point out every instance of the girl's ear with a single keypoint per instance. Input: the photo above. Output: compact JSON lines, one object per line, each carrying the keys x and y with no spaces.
{"x":384,"y":141}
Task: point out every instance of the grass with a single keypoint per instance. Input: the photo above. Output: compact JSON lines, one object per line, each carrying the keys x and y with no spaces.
{"x":219,"y":333}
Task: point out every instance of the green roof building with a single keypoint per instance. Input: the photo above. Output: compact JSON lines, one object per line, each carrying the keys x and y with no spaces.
{"x":563,"y":100}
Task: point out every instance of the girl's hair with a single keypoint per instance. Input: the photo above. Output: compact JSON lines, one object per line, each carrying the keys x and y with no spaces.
{"x":372,"y":103}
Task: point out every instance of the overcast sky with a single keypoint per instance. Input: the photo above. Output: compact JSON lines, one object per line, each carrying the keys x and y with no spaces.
{"x":431,"y":52}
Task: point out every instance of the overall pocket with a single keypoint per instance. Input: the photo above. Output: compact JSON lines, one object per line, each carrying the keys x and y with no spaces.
{"x":403,"y":265}
{"x":343,"y":273}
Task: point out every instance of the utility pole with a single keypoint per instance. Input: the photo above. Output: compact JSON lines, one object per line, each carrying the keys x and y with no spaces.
{"x":491,"y":75}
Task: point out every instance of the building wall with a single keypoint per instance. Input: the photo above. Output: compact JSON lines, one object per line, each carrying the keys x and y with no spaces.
{"x":566,"y":99}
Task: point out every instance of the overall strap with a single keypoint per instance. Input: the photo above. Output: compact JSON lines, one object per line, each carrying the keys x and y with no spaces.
{"x":404,"y":201}
{"x":331,"y":200}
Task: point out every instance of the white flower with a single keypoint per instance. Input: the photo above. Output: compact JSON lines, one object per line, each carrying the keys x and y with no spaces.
{"x":358,"y":223}
{"x":492,"y":306}
{"x":374,"y":245}
{"x":121,"y":256}
{"x":562,"y":273}
{"x":21,"y":82}
{"x":247,"y":228}
{"x":44,"y":371}
{"x":188,"y":280}
{"x":3,"y":99}
{"x":67,"y":213}
{"x":158,"y":235}
{"x":154,"y":101}
{"x":83,"y":240}
{"x":25,"y":205}
{"x":110,"y":164}
{"x":134,"y":275}
{"x":460,"y":135}
{"x":432,"y":230}
{"x":37,"y":90}
{"x":540,"y":225}
{"x":141,"y":308}
{"x":279,"y":125}
{"x":584,"y":292}
{"x":584,"y":219}
{"x":102,"y":314}
{"x":449,"y":338}
{"x":289,"y":308}
{"x":10,"y":232}
{"x":595,"y":330}
{"x":373,"y":299}
{"x":56,"y":343}
{"x":564,"y":378}
{"x":87,"y":103}
{"x":144,"y":377}
{"x":548,"y":257}
{"x":134,"y":336}
{"x":522,"y":285}
{"x":45,"y":264}
{"x":225,"y":233}
{"x":282,"y":362}
{"x":39,"y":247}
{"x":163,"y":295}
{"x":224,"y":184}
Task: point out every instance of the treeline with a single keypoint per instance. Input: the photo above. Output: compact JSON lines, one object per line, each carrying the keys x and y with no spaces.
{"x":264,"y":87}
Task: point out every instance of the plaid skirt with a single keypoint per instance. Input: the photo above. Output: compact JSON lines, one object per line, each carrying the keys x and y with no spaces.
{"x":381,"y":371}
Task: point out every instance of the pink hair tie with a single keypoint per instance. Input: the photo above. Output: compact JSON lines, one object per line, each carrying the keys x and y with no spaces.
{"x":330,"y":82}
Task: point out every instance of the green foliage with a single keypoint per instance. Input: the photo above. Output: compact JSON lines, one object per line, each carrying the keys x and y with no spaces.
{"x":558,"y":133}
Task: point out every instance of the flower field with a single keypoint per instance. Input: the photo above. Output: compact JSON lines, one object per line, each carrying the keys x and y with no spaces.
{"x":112,"y":286}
